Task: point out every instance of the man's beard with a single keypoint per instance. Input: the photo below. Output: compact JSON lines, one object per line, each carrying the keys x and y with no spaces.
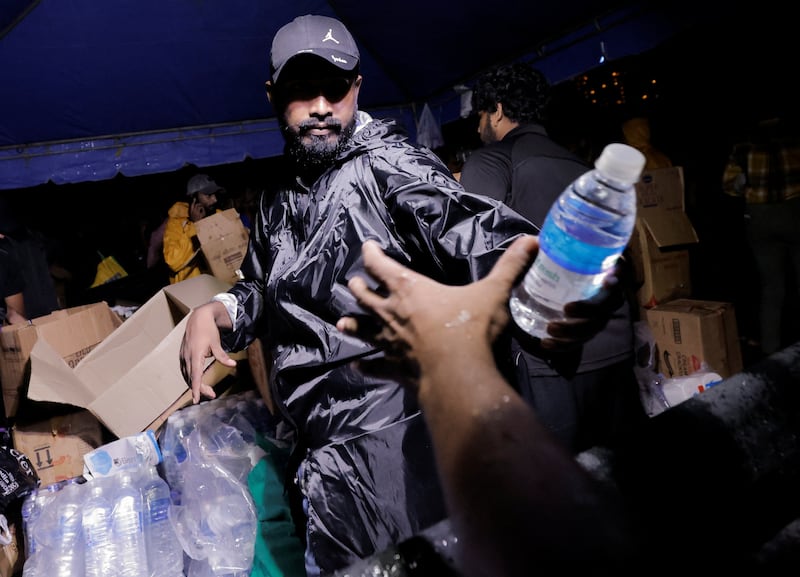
{"x":488,"y":134}
{"x":314,"y":154}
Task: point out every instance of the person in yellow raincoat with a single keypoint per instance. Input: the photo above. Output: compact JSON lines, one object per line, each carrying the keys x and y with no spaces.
{"x":181,"y":247}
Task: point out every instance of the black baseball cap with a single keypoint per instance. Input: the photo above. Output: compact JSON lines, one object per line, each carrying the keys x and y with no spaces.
{"x":311,"y":34}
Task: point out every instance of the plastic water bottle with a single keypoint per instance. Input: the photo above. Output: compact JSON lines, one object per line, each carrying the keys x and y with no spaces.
{"x":100,"y":552}
{"x":164,"y":551}
{"x":583,"y":235}
{"x":68,"y":550}
{"x":128,"y":526}
{"x":30,"y":510}
{"x":39,"y":531}
{"x":173,"y":448}
{"x":29,"y":513}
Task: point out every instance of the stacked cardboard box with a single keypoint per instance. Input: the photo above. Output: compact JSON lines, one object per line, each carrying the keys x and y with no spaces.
{"x":691,"y":335}
{"x":662,"y":237}
{"x":83,"y":369}
{"x":56,"y":446}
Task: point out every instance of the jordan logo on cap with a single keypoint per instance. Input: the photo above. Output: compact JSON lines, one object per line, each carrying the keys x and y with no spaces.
{"x":329,"y":36}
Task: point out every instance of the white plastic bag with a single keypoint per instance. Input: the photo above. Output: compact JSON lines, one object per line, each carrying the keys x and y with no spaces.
{"x":428,"y":132}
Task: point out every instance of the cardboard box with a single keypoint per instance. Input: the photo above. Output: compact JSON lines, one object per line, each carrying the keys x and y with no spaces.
{"x":690,"y":332}
{"x":662,"y":235}
{"x":72,"y":333}
{"x":133,"y":377}
{"x":223,"y":241}
{"x":57,"y":445}
{"x":11,"y":559}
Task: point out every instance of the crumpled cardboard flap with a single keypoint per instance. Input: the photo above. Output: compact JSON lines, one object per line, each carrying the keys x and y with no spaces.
{"x":194,"y":292}
{"x":660,"y":205}
{"x":669,"y":227}
{"x":53,"y":380}
{"x":150,"y":385}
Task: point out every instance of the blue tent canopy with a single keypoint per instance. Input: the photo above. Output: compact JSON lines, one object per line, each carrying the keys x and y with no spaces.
{"x":95,"y":89}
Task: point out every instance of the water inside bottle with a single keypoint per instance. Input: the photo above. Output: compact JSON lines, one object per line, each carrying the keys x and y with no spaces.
{"x":530,"y":315}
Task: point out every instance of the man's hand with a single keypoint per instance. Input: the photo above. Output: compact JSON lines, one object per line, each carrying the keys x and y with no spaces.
{"x":196,"y":210}
{"x":201,"y":341}
{"x":584,"y":319}
{"x":434,"y":324}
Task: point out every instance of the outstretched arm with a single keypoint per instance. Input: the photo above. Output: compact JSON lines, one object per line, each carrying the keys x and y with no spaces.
{"x":517,"y":500}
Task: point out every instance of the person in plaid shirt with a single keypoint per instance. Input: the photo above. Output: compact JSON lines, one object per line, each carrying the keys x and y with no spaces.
{"x":765,"y":172}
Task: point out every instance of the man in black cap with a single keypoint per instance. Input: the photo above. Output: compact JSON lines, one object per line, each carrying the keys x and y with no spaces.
{"x":366,"y":470}
{"x":313,"y":57}
{"x":181,"y":247}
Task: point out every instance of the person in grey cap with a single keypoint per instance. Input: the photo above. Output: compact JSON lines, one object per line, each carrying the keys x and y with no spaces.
{"x":365,"y":465}
{"x":181,"y":248}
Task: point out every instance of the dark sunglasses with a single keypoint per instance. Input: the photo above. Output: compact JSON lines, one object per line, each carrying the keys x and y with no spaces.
{"x":333,"y":89}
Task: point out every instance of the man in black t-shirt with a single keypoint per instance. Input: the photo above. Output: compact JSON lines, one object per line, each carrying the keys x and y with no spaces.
{"x":590,"y":396}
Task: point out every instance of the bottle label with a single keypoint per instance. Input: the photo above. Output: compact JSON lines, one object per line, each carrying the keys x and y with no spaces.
{"x":567,"y":269}
{"x":555,"y":285}
{"x":576,"y":255}
{"x":127,"y":453}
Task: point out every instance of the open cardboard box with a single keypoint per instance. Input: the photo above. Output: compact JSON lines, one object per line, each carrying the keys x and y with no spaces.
{"x":662,"y":235}
{"x":72,"y":333}
{"x":132,"y":379}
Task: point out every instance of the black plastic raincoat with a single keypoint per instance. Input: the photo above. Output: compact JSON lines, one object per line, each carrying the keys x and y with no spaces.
{"x":368,"y":472}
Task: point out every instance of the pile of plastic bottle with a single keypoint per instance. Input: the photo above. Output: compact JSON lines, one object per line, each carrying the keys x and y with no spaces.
{"x":107,"y":526}
{"x":191,"y":516}
{"x":208,"y":451}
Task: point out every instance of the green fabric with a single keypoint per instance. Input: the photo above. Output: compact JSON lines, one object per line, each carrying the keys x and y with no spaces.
{"x":278,"y":551}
